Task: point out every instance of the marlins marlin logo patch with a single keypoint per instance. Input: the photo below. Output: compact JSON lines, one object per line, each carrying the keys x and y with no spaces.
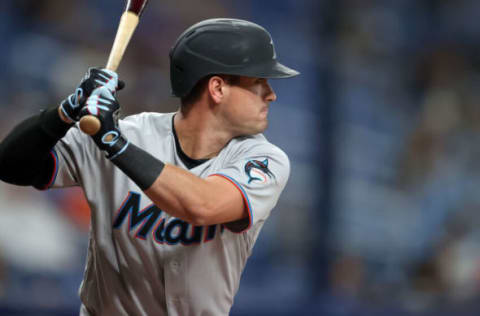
{"x":257,"y":170}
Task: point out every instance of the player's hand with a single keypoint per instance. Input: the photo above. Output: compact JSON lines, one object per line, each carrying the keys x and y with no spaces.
{"x":103,"y":105}
{"x":94,"y":78}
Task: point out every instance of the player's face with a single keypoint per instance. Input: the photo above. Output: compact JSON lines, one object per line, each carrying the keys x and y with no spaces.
{"x":246,"y":105}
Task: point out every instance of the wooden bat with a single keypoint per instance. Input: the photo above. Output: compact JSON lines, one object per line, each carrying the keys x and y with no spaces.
{"x":89,"y":124}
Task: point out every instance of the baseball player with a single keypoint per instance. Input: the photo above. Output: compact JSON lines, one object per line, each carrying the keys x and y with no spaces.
{"x":177,"y":199}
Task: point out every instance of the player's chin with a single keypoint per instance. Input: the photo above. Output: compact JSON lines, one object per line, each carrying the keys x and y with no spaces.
{"x":265,"y":124}
{"x":262,"y":125}
{"x":257,"y":128}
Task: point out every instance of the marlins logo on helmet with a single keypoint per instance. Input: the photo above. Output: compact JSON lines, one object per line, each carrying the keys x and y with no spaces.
{"x":257,"y":170}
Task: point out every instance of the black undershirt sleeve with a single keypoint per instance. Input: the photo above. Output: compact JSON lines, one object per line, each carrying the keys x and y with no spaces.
{"x":25,"y":157}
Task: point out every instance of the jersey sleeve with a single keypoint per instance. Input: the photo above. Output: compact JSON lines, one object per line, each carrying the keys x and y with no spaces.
{"x":76,"y":156}
{"x":260,"y":174}
{"x":69,"y":153}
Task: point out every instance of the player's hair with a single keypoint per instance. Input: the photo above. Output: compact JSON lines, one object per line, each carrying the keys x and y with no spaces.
{"x":201,"y":85}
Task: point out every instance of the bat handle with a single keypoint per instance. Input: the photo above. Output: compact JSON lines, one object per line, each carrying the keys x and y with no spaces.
{"x":90,"y":124}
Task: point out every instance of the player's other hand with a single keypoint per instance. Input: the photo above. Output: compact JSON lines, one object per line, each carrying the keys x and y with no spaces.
{"x":94,"y":78}
{"x":103,"y":105}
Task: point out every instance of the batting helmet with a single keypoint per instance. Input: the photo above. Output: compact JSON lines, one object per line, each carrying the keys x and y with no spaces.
{"x":223,"y":46}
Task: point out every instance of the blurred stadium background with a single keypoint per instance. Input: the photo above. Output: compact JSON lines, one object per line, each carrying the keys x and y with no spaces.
{"x":381,"y":214}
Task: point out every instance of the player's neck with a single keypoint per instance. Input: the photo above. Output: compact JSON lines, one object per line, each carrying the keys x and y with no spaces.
{"x":199,"y":135}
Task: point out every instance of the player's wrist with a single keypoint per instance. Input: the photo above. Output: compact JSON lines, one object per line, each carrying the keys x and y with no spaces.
{"x":117,"y":148}
{"x":53,"y":124}
{"x":64,"y":116}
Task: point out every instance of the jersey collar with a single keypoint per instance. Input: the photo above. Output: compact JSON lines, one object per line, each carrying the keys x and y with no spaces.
{"x":189,"y":162}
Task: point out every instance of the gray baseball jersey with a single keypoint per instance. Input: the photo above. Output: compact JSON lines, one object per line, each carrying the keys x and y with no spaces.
{"x":141,"y":260}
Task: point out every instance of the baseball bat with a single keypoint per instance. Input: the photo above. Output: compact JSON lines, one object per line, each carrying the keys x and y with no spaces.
{"x":89,"y":124}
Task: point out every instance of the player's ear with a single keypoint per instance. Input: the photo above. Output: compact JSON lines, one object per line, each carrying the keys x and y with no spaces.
{"x":217,"y":89}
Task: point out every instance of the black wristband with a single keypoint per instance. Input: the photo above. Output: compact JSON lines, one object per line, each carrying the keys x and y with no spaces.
{"x":52,"y":124}
{"x":138,"y":165}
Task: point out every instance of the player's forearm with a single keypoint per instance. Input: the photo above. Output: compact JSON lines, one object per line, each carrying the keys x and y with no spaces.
{"x":186,"y":196}
{"x":174,"y":190}
{"x":25,"y":152}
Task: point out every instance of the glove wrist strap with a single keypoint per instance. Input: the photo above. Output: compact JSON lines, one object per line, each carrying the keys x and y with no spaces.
{"x":117,"y":148}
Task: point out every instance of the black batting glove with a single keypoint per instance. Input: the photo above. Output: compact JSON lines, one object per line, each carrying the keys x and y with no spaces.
{"x":94,"y":78}
{"x":103,"y":105}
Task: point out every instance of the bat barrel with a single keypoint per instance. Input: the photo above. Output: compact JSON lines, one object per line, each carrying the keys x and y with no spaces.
{"x":136,"y":6}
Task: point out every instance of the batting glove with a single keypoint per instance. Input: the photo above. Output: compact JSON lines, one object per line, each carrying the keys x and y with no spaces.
{"x":94,"y":78}
{"x":103,"y":105}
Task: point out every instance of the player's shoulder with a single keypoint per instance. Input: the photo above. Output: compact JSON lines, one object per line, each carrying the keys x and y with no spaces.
{"x":147,"y":121}
{"x":256,"y":145}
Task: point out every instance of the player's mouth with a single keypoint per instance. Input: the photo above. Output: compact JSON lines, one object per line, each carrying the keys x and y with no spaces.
{"x":264,"y":110}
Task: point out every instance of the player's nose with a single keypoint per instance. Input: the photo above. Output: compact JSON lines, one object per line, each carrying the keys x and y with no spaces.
{"x":270,"y":95}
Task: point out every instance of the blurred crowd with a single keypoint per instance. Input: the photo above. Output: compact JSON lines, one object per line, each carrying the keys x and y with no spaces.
{"x":381,"y":213}
{"x":404,"y":227}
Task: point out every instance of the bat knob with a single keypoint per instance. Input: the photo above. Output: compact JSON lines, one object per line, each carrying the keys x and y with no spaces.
{"x":90,"y":125}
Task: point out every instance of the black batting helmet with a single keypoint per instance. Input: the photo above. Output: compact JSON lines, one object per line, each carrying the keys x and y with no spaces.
{"x":223,"y":46}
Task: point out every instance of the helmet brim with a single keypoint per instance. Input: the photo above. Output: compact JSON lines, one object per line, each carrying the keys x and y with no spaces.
{"x":270,"y":70}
